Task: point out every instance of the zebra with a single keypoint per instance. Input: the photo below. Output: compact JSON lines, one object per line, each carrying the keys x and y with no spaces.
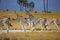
{"x":1,"y":24}
{"x":32,"y":21}
{"x":46,"y":23}
{"x":22,"y":21}
{"x":43,"y":23}
{"x":6,"y":22}
{"x":56,"y":23}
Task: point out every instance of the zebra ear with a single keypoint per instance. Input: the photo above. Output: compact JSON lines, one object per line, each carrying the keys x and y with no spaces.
{"x":25,"y":18}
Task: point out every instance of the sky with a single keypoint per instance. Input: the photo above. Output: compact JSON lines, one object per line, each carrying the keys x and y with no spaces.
{"x":53,"y":5}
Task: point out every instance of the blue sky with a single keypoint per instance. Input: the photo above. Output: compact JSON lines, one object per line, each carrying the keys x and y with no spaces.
{"x":53,"y":5}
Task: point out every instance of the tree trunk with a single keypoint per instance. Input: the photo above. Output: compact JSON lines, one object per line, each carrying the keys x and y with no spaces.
{"x":44,"y":4}
{"x":20,"y":8}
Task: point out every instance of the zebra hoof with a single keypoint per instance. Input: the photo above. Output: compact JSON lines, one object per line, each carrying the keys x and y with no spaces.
{"x":7,"y":31}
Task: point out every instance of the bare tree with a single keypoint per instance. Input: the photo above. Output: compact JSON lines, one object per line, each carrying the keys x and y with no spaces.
{"x":20,"y":2}
{"x":45,"y":2}
{"x":31,"y":6}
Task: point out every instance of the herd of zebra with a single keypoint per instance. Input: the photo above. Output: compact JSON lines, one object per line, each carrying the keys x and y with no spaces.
{"x":29,"y":20}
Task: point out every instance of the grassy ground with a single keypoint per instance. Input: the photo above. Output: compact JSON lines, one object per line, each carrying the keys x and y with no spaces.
{"x":30,"y":35}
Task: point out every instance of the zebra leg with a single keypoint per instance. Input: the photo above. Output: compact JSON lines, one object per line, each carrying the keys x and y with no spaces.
{"x":45,"y":28}
{"x":58,"y":28}
{"x":48,"y":29}
{"x":23,"y":28}
{"x":32,"y":27}
{"x":1,"y":30}
{"x":42,"y":28}
{"x":7,"y":29}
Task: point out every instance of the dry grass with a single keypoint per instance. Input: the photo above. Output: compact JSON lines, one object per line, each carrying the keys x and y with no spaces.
{"x":31,"y":35}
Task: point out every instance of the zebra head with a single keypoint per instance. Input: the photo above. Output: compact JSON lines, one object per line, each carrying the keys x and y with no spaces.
{"x":17,"y":17}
